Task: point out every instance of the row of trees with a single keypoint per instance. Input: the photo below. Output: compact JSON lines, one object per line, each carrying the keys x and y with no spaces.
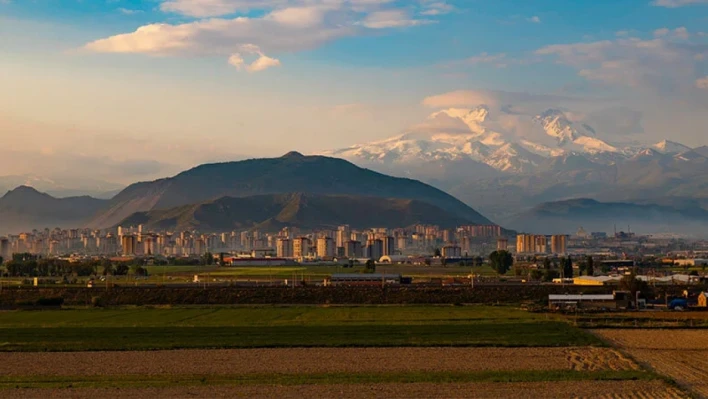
{"x":502,"y":262}
{"x":28,"y":265}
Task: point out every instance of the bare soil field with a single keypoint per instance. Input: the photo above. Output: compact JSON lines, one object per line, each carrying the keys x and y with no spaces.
{"x":310,"y":360}
{"x":679,"y":354}
{"x":578,"y":389}
{"x":657,"y":339}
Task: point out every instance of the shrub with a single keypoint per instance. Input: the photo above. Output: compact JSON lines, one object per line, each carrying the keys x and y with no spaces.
{"x":98,"y":302}
{"x":57,"y":301}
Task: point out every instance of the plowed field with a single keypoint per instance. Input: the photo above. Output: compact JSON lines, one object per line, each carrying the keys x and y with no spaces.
{"x":679,"y":354}
{"x":580,"y":389}
{"x":310,"y":360}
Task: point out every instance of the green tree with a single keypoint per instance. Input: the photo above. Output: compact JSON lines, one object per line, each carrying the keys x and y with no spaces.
{"x":632,"y":284}
{"x":140,"y":271}
{"x":547,"y":264}
{"x":370,"y":266}
{"x":122,"y":269}
{"x":536,"y":274}
{"x":590,"y":266}
{"x":501,"y":261}
{"x":107,"y":267}
{"x":549,"y":275}
{"x":438,"y":254}
{"x":567,"y":267}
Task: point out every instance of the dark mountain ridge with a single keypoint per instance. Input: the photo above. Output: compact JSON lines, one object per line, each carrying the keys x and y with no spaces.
{"x":272,"y":212}
{"x":291,"y":173}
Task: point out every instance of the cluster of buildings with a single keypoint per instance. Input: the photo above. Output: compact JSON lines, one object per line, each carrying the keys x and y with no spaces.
{"x":531,"y":244}
{"x":345,"y":242}
{"x":289,"y":243}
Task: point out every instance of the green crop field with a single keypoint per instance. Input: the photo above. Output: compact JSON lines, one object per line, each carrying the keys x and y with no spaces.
{"x":313,"y":271}
{"x":252,"y":327}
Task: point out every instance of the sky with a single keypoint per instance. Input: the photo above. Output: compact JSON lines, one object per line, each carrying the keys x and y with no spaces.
{"x":126,"y":90}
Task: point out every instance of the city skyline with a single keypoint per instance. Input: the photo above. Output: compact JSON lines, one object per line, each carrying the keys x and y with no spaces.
{"x":116,"y":89}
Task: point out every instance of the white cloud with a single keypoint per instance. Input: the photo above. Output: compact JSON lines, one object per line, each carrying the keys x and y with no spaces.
{"x":220,"y":8}
{"x":281,"y":26}
{"x":498,"y":60}
{"x":535,"y":19}
{"x":213,"y":8}
{"x":702,"y":83}
{"x":436,"y":8}
{"x":391,"y":19}
{"x":681,"y":33}
{"x":128,"y":11}
{"x":661,"y":32}
{"x":261,"y":63}
{"x":677,"y":3}
{"x":492,"y":98}
{"x":219,"y":36}
{"x":301,"y":17}
{"x":666,"y":63}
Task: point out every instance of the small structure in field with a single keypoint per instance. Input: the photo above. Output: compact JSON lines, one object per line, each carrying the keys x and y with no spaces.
{"x":365,"y":279}
{"x":575,"y":301}
{"x":703,"y":299}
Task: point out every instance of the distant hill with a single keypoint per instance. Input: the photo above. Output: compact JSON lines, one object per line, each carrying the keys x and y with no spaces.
{"x":288,"y":174}
{"x":687,"y":217}
{"x":25,"y":208}
{"x":272,"y":212}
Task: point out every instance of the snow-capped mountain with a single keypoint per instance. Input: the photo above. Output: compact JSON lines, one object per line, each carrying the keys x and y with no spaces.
{"x":670,"y":147}
{"x":510,"y":143}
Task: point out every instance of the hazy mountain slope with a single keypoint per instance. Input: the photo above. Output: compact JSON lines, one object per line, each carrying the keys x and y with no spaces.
{"x":646,"y":175}
{"x":61,"y":188}
{"x":567,"y":216}
{"x":25,"y":208}
{"x":503,"y":160}
{"x":290,"y":173}
{"x":310,"y":211}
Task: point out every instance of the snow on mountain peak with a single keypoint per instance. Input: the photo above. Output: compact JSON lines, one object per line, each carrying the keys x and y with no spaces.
{"x":557,"y":125}
{"x":510,"y":143}
{"x":472,"y":116}
{"x":670,"y":147}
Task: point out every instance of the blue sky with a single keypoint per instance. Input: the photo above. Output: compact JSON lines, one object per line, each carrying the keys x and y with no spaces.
{"x":172,"y":83}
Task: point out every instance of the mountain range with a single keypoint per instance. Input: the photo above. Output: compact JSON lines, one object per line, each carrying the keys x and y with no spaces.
{"x":272,"y":212}
{"x":25,"y":208}
{"x":505,"y":161}
{"x":292,"y":190}
{"x":61,"y":187}
{"x":565,"y":217}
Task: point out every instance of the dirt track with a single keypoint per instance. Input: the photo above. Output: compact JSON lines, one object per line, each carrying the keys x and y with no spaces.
{"x":595,"y":389}
{"x":315,"y":360}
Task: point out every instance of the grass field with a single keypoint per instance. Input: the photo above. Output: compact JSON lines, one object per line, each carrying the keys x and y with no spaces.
{"x":253,"y":327}
{"x":309,"y":271}
{"x":643,"y":320}
{"x":184,"y":274}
